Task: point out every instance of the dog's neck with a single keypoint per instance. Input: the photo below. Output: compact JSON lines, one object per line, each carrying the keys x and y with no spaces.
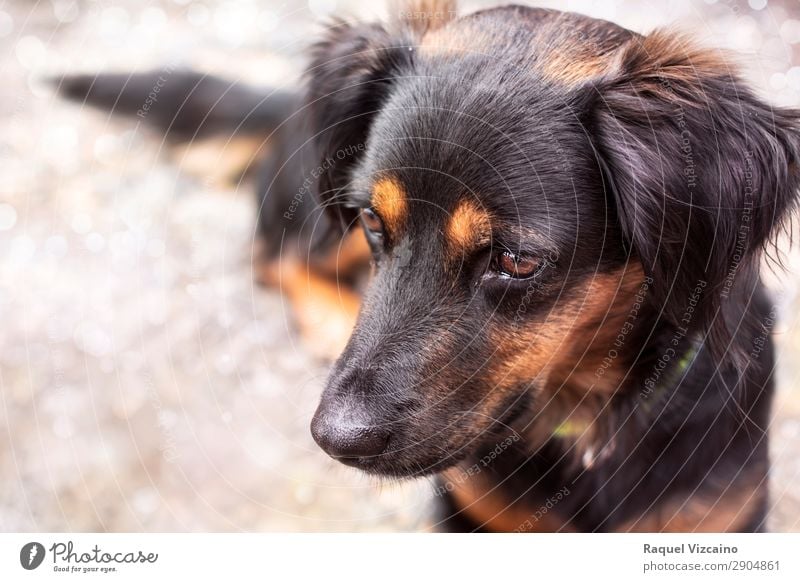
{"x":620,"y":361}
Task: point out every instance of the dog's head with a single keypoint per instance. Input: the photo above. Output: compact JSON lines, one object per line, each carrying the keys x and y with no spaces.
{"x":521,"y":175}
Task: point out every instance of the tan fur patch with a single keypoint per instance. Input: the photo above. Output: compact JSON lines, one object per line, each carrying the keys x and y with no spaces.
{"x":325,"y":312}
{"x":482,"y":504}
{"x":575,"y":337}
{"x":564,"y":48}
{"x":219,"y":160}
{"x":668,"y":56}
{"x":468,"y":226}
{"x":607,"y":303}
{"x":349,"y":259}
{"x":572,"y":51}
{"x":421,"y":16}
{"x":323,"y":308}
{"x":572,"y":68}
{"x":458,"y":39}
{"x":391,"y":203}
{"x":702,"y":513}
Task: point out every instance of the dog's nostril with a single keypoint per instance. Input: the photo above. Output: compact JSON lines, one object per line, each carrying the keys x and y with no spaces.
{"x":349,"y":443}
{"x":358,"y":442}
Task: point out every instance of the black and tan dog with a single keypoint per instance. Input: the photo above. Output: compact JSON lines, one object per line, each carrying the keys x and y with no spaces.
{"x":564,"y":221}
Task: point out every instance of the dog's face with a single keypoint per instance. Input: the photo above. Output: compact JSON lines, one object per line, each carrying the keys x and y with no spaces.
{"x":469,"y":215}
{"x":507,"y":203}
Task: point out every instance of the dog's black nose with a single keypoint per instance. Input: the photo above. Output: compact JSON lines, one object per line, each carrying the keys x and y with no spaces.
{"x":349,"y":443}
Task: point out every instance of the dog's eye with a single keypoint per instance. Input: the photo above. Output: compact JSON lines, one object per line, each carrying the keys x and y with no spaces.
{"x":372,"y":222}
{"x":516,"y":266}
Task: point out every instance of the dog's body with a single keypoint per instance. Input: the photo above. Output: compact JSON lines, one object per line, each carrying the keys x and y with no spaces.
{"x":564,"y":318}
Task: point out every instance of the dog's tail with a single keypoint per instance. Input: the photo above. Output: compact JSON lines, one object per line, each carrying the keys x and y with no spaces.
{"x":184,"y":105}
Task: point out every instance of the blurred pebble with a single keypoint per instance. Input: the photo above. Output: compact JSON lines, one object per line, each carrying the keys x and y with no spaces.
{"x":6,"y":24}
{"x":268,"y":20}
{"x":63,"y":427}
{"x":198,"y":14}
{"x":23,"y":249}
{"x":145,"y":501}
{"x":156,"y":248}
{"x":92,"y":339}
{"x":322,"y":8}
{"x":304,"y":494}
{"x":153,"y":19}
{"x":225,"y":365}
{"x":30,"y":52}
{"x":81,"y":223}
{"x":95,"y":242}
{"x":56,"y":246}
{"x":66,"y":10}
{"x":8,"y":216}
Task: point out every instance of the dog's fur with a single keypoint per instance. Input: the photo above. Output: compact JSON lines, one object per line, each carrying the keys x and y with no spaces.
{"x":625,"y":384}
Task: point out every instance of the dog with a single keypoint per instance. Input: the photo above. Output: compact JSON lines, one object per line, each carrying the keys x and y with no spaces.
{"x":534,"y":237}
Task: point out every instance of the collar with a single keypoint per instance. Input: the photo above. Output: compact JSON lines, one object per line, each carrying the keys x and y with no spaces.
{"x":572,"y":429}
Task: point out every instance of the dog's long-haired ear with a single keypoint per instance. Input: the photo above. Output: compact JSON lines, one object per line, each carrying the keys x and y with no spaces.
{"x":703,"y":173}
{"x":349,"y":77}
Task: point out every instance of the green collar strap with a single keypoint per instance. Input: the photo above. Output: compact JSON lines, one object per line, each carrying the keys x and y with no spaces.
{"x":572,"y":429}
{"x":672,"y":377}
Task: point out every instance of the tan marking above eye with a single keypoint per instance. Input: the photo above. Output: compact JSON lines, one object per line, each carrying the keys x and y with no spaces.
{"x":468,"y":226}
{"x":390,"y":201}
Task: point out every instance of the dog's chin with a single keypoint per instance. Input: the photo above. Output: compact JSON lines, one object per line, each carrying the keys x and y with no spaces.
{"x":395,"y":466}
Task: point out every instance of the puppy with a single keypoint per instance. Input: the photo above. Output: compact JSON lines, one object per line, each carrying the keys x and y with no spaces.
{"x":561,"y":221}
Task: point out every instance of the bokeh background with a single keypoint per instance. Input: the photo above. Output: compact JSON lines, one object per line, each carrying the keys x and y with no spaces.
{"x":146,"y":382}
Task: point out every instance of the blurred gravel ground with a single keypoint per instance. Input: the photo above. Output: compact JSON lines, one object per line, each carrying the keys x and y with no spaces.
{"x":147,"y":384}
